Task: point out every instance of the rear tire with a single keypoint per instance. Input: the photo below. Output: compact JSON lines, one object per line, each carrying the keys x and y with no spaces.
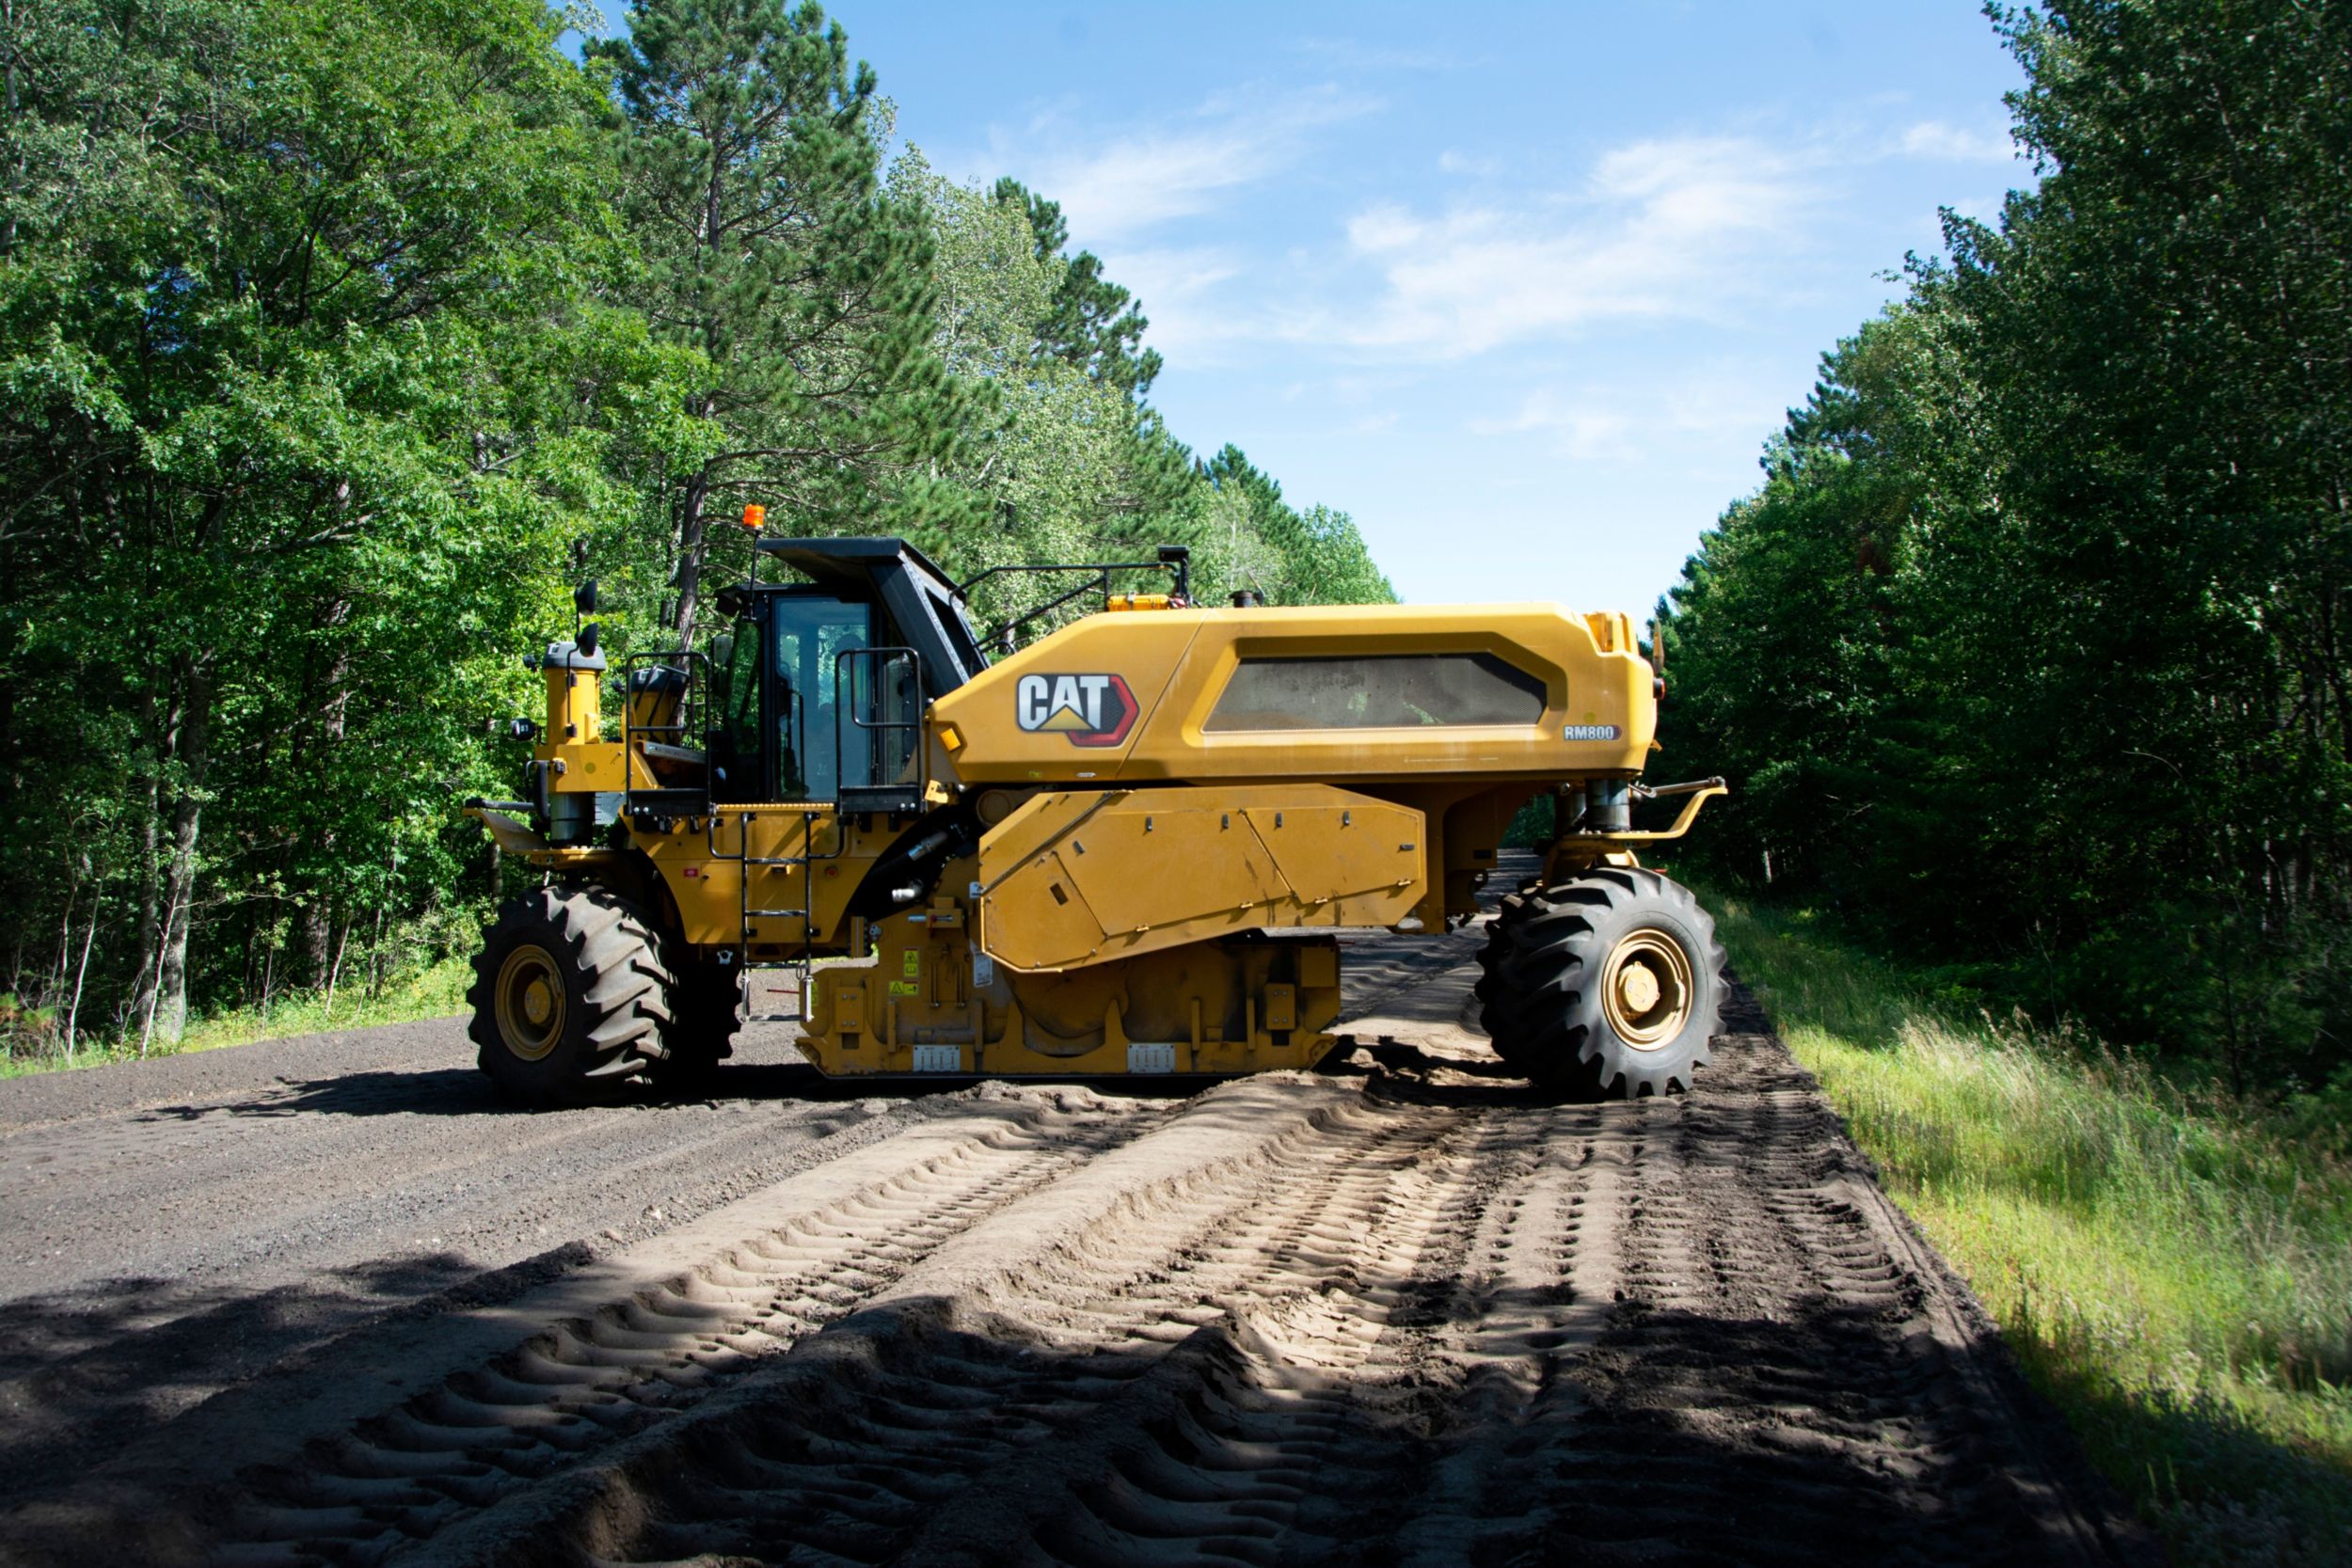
{"x":1515,"y":909}
{"x":1609,"y":985}
{"x":570,"y":997}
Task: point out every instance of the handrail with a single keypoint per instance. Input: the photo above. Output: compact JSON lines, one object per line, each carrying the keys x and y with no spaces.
{"x":881,"y":660}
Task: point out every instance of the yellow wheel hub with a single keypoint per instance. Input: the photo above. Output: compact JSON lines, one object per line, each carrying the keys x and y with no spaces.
{"x":529,"y":1003}
{"x":1646,"y":989}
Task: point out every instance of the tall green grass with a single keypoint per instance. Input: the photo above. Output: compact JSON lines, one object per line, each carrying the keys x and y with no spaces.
{"x":2174,"y":1271}
{"x":434,"y":991}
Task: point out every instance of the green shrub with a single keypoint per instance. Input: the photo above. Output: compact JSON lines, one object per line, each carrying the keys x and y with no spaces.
{"x":2173,"y":1265}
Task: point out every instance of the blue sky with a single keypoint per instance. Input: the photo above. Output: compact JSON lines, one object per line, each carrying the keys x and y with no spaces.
{"x":1521,"y":288}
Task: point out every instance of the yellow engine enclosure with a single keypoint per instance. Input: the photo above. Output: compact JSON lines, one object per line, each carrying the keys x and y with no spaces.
{"x":1598,"y":714}
{"x":1072,"y":878}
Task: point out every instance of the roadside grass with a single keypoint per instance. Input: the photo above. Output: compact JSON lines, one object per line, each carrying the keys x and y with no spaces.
{"x":2173,"y":1271}
{"x":434,"y":991}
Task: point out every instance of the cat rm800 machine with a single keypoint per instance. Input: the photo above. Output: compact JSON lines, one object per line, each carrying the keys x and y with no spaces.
{"x":1125,"y":847}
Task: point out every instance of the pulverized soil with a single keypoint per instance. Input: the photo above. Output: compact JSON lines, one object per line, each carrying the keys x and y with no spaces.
{"x":327,"y":1301}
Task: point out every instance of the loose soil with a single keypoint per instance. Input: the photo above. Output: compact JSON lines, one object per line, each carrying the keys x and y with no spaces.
{"x":325,"y":1301}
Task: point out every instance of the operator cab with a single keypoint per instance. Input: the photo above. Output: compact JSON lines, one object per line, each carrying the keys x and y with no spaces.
{"x":821,"y":686}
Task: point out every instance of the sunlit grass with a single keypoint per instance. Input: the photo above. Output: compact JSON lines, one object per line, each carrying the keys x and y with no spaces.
{"x":2175,"y":1273}
{"x":435,"y":992}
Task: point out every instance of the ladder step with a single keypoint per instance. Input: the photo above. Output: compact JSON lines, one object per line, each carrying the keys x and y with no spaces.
{"x":775,"y":915}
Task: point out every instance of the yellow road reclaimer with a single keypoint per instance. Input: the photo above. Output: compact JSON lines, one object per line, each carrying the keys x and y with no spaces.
{"x":1125,"y":847}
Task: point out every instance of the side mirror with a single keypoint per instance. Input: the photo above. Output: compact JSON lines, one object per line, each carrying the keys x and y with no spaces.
{"x":584,"y":597}
{"x":588,"y":634}
{"x":723,"y":650}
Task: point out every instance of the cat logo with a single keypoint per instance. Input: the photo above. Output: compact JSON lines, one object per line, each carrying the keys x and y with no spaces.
{"x":1092,"y":710}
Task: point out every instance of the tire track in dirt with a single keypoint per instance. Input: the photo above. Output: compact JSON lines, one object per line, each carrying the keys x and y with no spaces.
{"x":1407,"y":1311}
{"x":1254,"y":1235}
{"x":634,"y":1361}
{"x":1421,"y":1317}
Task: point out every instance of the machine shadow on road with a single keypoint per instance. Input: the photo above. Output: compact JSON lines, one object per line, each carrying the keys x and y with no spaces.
{"x":463,"y":1092}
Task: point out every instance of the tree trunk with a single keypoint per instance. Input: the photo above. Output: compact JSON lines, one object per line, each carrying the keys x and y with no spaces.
{"x":690,"y":555}
{"x":163,"y":736}
{"x":334,"y":711}
{"x":171,"y":1007}
{"x":81,"y":974}
{"x":337,"y":972}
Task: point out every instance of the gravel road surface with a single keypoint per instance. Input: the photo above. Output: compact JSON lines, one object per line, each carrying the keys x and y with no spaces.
{"x":325,"y":1301}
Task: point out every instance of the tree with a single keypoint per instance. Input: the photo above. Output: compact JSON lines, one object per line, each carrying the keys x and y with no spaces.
{"x":1089,"y":323}
{"x":2031,"y":645}
{"x":750,"y":156}
{"x":295,"y":406}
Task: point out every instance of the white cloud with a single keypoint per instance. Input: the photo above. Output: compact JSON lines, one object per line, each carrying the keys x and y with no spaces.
{"x":1174,"y":286}
{"x":1934,"y":138}
{"x":1355,"y":55}
{"x":1112,"y":191}
{"x":1451,"y":162}
{"x":1665,"y":228}
{"x":1624,"y":423}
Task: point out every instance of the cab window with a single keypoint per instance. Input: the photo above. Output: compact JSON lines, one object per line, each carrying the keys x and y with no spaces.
{"x":806,"y":636}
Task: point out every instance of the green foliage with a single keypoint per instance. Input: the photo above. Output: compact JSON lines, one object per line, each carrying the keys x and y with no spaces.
{"x":1089,"y":323}
{"x":2030,"y":645}
{"x":1251,"y":539}
{"x":335,"y":338}
{"x":2168,"y":1267}
{"x":750,"y":159}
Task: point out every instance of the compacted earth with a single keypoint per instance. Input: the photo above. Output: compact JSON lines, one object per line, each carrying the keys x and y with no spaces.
{"x":327,"y":1301}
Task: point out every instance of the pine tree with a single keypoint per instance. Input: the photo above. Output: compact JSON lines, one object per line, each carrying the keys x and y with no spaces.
{"x":1093,"y":323}
{"x":752,"y":185}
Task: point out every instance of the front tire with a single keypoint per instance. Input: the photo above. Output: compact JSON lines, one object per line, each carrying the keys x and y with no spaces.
{"x":570,"y":997}
{"x":1611,"y":986}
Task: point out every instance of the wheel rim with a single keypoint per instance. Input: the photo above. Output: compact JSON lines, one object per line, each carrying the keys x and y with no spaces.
{"x":531,"y":1003}
{"x":1646,"y":990}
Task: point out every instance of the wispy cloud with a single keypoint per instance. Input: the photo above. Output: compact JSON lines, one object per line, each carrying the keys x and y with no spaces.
{"x":1934,"y":138}
{"x":1661,"y":228}
{"x":1625,"y":424}
{"x":1115,"y":190}
{"x":1451,"y":162}
{"x":1348,"y":53}
{"x":1175,"y":286}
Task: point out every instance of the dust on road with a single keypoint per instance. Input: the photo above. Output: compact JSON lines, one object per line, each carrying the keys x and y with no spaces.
{"x":328,"y":1302}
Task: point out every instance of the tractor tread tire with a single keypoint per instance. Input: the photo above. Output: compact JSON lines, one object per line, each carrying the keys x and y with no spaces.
{"x":1512,"y":911}
{"x":1544,"y":1010}
{"x":617,"y":993}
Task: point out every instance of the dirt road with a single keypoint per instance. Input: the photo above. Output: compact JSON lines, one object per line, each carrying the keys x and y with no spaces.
{"x":326,"y":1302}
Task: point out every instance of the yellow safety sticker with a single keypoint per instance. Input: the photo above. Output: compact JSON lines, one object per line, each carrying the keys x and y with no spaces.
{"x":903,"y":988}
{"x":911,"y":962}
